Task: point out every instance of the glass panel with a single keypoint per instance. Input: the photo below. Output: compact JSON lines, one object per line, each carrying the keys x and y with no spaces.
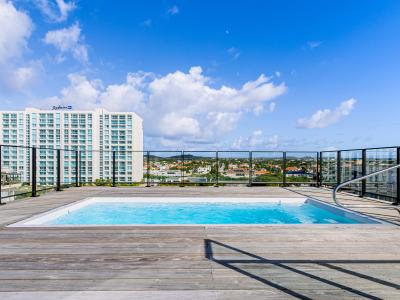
{"x":200,"y":167}
{"x":135,"y":163}
{"x":129,"y":167}
{"x":233,"y":167}
{"x":301,"y":167}
{"x":15,"y":172}
{"x":351,"y":168}
{"x":86,"y":165}
{"x":165,"y":167}
{"x":383,"y":184}
{"x":267,"y":167}
{"x":46,"y":168}
{"x":68,"y":167}
{"x":328,"y":168}
{"x":106,"y":168}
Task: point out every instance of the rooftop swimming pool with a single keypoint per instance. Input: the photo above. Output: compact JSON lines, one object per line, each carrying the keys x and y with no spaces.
{"x":183,"y":211}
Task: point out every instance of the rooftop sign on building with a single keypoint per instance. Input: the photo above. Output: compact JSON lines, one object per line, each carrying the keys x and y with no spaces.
{"x":62,"y":107}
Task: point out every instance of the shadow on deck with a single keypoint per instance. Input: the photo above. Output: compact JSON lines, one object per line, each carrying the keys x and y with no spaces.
{"x":239,"y":265}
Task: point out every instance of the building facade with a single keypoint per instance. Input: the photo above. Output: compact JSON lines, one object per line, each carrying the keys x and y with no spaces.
{"x":95,"y":134}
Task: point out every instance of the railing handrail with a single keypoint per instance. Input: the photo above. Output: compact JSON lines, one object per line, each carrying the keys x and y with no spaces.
{"x":338,"y":187}
{"x":309,"y":152}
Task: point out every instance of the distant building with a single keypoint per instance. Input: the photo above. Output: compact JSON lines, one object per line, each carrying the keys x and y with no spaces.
{"x":237,"y":172}
{"x":292,"y":169}
{"x":261,"y":172}
{"x":204,"y":170}
{"x":94,"y":133}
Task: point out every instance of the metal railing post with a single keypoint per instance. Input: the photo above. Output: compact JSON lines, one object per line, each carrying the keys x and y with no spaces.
{"x":319,"y":169}
{"x":217,"y":169}
{"x":284,"y":168}
{"x":363,"y":172}
{"x":58,"y":188}
{"x":250,"y":168}
{"x":338,"y":168}
{"x":148,"y":169}
{"x":397,"y":202}
{"x":34,"y":193}
{"x":80,"y":168}
{"x":113,"y":170}
{"x":182,"y":184}
{"x":77,"y":168}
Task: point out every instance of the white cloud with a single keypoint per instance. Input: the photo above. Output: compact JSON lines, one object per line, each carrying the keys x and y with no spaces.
{"x":174,"y":10}
{"x":271,"y":107}
{"x":172,"y":125}
{"x":68,"y":40}
{"x":55,"y":11}
{"x":256,"y":140}
{"x":15,"y":29}
{"x":259,"y":109}
{"x":326,"y":117}
{"x":314,"y":44}
{"x":222,"y":122}
{"x":234,"y":53}
{"x":81,"y":93}
{"x":147,"y":23}
{"x":18,"y":78}
{"x":330,"y":148}
{"x":127,"y":96}
{"x":175,"y":106}
{"x":23,"y":74}
{"x":65,"y":8}
{"x":217,"y":109}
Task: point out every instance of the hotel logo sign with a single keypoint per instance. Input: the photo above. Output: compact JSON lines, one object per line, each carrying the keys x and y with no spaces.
{"x":62,"y":107}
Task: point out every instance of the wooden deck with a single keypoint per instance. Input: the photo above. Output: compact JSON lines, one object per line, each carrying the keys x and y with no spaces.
{"x":196,"y":262}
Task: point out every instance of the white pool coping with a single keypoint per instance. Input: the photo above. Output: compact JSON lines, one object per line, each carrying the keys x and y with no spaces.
{"x":41,"y":220}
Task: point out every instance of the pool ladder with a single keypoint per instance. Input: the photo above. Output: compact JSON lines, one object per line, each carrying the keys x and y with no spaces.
{"x":338,"y":187}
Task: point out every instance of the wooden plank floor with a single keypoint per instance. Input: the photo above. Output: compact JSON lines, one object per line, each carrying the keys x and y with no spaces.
{"x":194,"y":262}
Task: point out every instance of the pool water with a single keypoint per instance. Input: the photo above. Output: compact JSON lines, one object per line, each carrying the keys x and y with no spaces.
{"x":122,"y":213}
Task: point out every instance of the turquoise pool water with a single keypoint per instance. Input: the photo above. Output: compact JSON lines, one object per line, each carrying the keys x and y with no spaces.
{"x":120,"y":213}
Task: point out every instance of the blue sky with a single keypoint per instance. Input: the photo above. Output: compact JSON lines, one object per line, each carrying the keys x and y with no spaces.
{"x":193,"y":69}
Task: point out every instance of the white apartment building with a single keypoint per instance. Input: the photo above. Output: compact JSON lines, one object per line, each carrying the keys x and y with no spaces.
{"x":95,"y":134}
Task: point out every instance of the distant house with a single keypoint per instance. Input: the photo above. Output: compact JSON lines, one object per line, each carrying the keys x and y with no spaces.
{"x":261,"y":172}
{"x":204,"y":170}
{"x":298,"y":173}
{"x":237,"y":172}
{"x":292,"y":169}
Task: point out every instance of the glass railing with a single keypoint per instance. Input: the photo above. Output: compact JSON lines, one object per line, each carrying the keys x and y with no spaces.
{"x":301,"y":167}
{"x":46,"y":168}
{"x":200,"y":167}
{"x":267,"y":167}
{"x":343,"y":165}
{"x":351,"y":168}
{"x":29,"y":171}
{"x":165,"y":167}
{"x":329,"y":167}
{"x":385,"y":184}
{"x":15,"y":172}
{"x":233,"y":167}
